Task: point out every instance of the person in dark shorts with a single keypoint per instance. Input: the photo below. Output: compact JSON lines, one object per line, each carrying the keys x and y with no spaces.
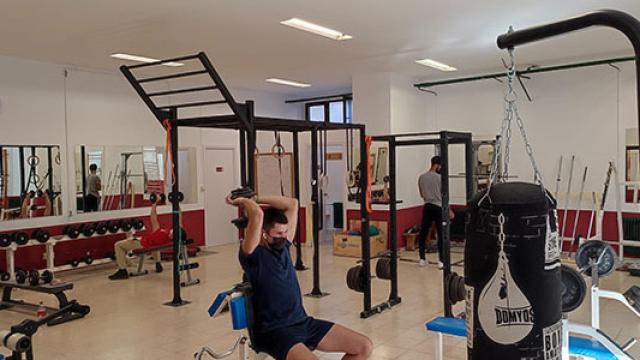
{"x":94,"y":185}
{"x":282,"y":328}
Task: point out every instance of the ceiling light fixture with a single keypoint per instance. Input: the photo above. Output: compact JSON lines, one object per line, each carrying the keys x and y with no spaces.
{"x":287,"y":82}
{"x":316,"y":29}
{"x":436,"y":65}
{"x":142,"y":59}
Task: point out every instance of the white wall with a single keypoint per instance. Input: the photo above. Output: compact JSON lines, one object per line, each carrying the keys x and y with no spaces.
{"x":583,"y":112}
{"x":40,"y":105}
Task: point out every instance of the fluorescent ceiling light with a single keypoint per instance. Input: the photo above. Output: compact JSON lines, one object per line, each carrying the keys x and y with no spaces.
{"x":143,"y":59}
{"x":288,"y":82}
{"x":436,"y":65}
{"x":316,"y":29}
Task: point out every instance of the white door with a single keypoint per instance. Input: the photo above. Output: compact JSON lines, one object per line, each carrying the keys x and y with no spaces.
{"x":335,"y":191}
{"x":219,"y":177}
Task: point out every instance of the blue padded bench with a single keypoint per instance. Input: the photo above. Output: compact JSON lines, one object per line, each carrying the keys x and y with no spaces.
{"x":458,"y":327}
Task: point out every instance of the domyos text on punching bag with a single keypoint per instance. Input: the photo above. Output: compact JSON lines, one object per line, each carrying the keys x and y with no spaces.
{"x":512,"y":274}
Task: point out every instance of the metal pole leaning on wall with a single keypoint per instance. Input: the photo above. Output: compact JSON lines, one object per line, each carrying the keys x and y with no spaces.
{"x":296,"y":184}
{"x":175,"y":216}
{"x":446,"y":251}
{"x":364,"y":228}
{"x":23,"y":189}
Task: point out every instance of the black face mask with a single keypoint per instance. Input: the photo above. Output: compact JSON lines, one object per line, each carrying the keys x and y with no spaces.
{"x":278,"y":243}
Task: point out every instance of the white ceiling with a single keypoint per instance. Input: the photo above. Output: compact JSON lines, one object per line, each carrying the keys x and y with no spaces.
{"x":247,"y":44}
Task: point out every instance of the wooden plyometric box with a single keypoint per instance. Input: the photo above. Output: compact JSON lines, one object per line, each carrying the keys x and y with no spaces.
{"x":351,"y":245}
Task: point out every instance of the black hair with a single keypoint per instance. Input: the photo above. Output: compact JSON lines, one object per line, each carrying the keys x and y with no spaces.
{"x":93,"y":167}
{"x":273,"y":216}
{"x":436,"y":160}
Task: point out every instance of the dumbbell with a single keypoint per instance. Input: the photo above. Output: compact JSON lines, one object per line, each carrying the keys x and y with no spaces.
{"x":87,"y":229}
{"x":180,"y":197}
{"x":125,"y":225}
{"x":244,"y":192}
{"x":73,"y":262}
{"x":41,"y":235}
{"x":88,"y":259}
{"x":113,"y":226}
{"x":137,"y":223}
{"x":5,"y":240}
{"x":4,"y":276}
{"x":155,"y":198}
{"x":20,"y":238}
{"x":241,"y":222}
{"x":102,"y":228}
{"x":21,"y":276}
{"x":71,"y":231}
{"x":36,"y":278}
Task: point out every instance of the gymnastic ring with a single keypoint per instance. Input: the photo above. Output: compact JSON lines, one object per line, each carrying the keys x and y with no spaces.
{"x":33,"y":160}
{"x":277,"y":150}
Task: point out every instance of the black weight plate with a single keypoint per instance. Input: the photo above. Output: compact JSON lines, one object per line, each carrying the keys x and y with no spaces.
{"x":593,"y":249}
{"x":113,"y":227}
{"x":34,"y":278}
{"x":5,"y":276}
{"x":88,"y":229}
{"x":101,"y":228}
{"x":46,"y":277}
{"x":355,"y":279}
{"x":383,"y":268}
{"x":125,"y":224}
{"x":574,"y":288}
{"x":21,"y":238}
{"x":5,"y":240}
{"x":138,"y":224}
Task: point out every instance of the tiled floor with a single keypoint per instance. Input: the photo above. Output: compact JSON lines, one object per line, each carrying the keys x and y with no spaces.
{"x":128,"y":320}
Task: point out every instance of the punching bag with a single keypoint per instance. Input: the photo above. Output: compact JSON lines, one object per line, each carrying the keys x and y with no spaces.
{"x":512,"y":274}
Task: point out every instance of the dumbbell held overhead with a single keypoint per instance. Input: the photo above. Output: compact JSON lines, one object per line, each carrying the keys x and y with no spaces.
{"x":157,"y":198}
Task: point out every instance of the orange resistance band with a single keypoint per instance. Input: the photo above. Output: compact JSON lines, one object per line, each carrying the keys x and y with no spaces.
{"x":368,"y":140}
{"x":168,"y":155}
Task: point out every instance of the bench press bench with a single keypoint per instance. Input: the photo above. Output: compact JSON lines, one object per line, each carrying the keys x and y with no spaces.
{"x":142,"y":253}
{"x":577,"y":346}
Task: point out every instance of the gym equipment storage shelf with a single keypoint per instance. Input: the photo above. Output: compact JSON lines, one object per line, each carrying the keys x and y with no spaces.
{"x":50,"y":252}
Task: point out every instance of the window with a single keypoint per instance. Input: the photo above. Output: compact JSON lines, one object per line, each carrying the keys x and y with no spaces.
{"x":316,"y":113}
{"x":334,"y":111}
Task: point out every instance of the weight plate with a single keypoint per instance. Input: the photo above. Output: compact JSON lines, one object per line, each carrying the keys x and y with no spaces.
{"x":383,"y":268}
{"x":46,"y":277}
{"x":5,"y":240}
{"x":355,"y":278}
{"x":600,"y":251}
{"x":21,"y":238}
{"x":574,"y":288}
{"x":101,"y":228}
{"x":113,"y":227}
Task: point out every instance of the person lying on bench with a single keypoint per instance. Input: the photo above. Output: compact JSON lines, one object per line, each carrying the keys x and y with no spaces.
{"x":155,"y":237}
{"x":282,"y":328}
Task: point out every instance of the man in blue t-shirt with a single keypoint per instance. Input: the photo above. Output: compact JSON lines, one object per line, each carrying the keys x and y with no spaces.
{"x":282,"y":328}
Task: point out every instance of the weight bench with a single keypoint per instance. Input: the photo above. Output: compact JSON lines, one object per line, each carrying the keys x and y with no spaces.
{"x":56,"y":290}
{"x":593,"y":349}
{"x":141,"y":254}
{"x":237,"y":301}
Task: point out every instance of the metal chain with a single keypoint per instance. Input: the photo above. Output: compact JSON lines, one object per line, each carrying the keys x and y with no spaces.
{"x":503,"y":144}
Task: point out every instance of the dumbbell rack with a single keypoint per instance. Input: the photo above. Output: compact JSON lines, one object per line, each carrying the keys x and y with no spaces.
{"x":50,"y":252}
